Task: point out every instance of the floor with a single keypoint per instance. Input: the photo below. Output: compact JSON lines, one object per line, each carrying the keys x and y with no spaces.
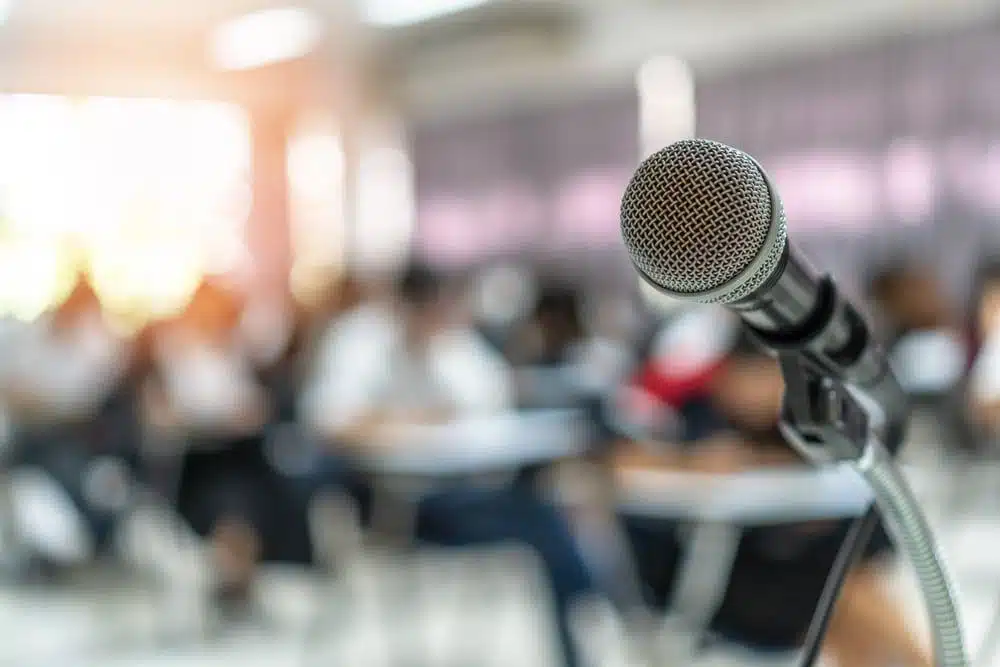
{"x":476,"y":609}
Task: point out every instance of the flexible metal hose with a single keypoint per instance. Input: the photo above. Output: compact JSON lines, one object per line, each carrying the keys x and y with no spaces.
{"x":908,"y":526}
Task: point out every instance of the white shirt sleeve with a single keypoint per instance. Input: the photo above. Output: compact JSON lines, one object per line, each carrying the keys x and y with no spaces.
{"x":477,"y":379}
{"x":929,"y":361}
{"x":353,"y":366}
{"x":210,"y":387}
{"x":72,"y":373}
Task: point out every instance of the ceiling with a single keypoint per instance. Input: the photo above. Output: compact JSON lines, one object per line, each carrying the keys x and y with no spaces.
{"x":498,"y":53}
{"x":120,"y":14}
{"x":577,"y":45}
{"x":159,"y":48}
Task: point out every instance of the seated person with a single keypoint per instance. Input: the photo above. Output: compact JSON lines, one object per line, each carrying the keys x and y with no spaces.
{"x":927,"y":349}
{"x":203,"y":394}
{"x":779,"y":571}
{"x":559,"y":362}
{"x":390,"y":366}
{"x":679,"y":362}
{"x":65,"y":386}
{"x":984,"y":378}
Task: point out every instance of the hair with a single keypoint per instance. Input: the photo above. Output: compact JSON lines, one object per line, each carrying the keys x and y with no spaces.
{"x":81,"y":295}
{"x":884,"y":280}
{"x":562,"y":303}
{"x":419,"y":285}
{"x":221,"y":300}
{"x":893,"y":273}
{"x":746,"y":349}
{"x":987,"y":272}
{"x":556,"y":300}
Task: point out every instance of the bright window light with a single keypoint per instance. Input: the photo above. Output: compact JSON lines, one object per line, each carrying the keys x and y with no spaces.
{"x":5,"y":7}
{"x":316,"y":171}
{"x":145,"y":195}
{"x":384,"y":208}
{"x":265,"y":37}
{"x":393,"y":13}
{"x":666,"y":102}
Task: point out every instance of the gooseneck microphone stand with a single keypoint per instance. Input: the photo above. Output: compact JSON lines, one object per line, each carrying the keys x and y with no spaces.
{"x":828,"y":423}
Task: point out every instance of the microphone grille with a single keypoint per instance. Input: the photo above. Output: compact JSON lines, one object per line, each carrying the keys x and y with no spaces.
{"x":696,"y":215}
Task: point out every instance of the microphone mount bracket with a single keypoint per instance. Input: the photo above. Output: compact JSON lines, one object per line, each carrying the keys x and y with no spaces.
{"x":820,"y":417}
{"x":828,"y":424}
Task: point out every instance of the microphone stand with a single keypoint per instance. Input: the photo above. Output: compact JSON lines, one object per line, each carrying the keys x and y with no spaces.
{"x":828,"y":423}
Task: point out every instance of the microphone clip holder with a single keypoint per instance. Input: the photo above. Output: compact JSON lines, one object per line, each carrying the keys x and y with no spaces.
{"x":820,"y":417}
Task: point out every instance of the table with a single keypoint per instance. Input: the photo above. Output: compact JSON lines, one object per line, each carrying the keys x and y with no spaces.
{"x":480,"y":444}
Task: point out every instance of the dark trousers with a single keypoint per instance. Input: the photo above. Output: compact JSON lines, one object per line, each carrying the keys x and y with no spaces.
{"x":236,"y":481}
{"x":473,"y":516}
{"x":67,"y":460}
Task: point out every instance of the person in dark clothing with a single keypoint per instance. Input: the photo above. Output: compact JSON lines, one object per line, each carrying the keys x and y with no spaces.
{"x":778,"y":572}
{"x":68,"y":386}
{"x":204,"y":394}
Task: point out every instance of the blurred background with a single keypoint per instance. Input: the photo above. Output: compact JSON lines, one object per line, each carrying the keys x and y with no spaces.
{"x":320,"y":344}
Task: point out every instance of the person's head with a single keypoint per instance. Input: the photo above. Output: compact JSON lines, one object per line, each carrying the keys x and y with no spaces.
{"x":984,"y":311}
{"x":557,"y":314}
{"x":909,"y":297}
{"x":424,"y":302}
{"x":213,"y":313}
{"x":748,"y":387}
{"x":81,"y":302}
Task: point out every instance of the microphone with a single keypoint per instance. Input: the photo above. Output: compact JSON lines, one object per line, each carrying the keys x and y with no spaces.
{"x":703,"y":223}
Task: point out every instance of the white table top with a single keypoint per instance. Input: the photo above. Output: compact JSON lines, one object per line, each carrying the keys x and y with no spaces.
{"x":774,"y":495}
{"x":481,"y":444}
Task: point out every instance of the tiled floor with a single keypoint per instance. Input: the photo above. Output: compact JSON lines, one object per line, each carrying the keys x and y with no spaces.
{"x":478,"y":610}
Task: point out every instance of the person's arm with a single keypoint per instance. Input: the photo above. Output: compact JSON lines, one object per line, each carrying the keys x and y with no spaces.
{"x":986,"y":415}
{"x":479,"y":380}
{"x":868,"y":628}
{"x":984,"y":388}
{"x":156,"y":408}
{"x":66,"y":378}
{"x":723,"y":453}
{"x":340,"y":399}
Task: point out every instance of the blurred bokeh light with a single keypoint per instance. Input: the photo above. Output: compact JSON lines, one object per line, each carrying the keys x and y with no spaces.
{"x":265,"y":37}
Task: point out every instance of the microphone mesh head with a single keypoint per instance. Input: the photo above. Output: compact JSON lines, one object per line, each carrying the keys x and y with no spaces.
{"x":696,"y":215}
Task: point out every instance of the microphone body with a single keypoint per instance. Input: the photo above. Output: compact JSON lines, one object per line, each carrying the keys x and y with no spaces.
{"x":703,"y":223}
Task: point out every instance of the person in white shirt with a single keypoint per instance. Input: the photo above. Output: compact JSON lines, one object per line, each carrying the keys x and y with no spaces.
{"x":61,"y":366}
{"x":205,"y":394}
{"x":387,"y":365}
{"x":63,"y":381}
{"x":390,"y":366}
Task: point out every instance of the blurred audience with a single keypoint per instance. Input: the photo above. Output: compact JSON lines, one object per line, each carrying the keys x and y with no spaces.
{"x":260,"y":405}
